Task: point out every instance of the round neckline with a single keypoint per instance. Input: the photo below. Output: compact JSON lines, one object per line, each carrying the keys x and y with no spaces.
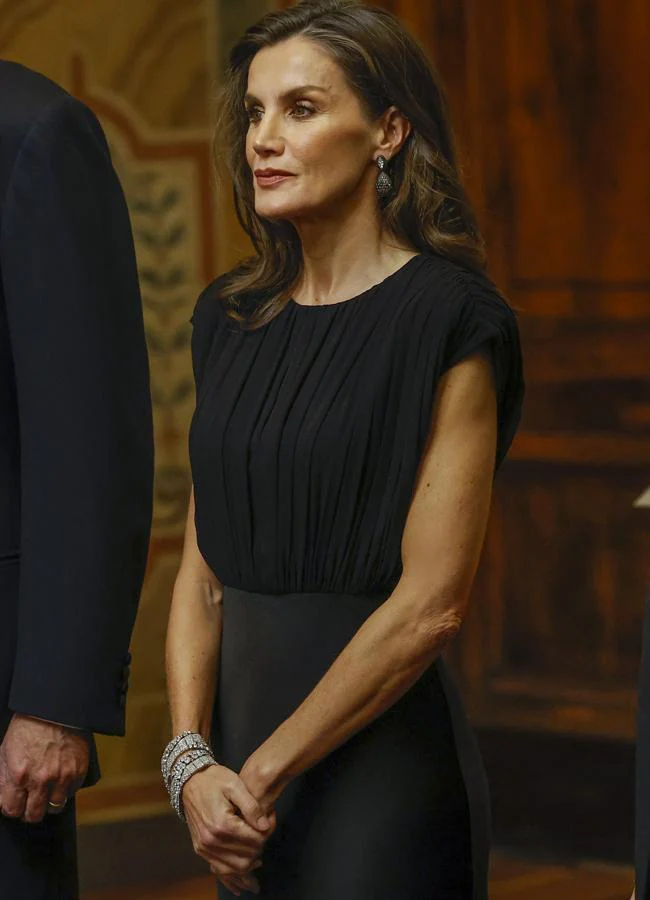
{"x":402,"y":268}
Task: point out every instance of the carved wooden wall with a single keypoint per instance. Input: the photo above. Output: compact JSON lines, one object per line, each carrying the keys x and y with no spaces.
{"x":555,"y":119}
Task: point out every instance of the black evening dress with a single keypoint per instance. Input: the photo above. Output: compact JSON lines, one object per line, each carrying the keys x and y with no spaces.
{"x":304,"y":447}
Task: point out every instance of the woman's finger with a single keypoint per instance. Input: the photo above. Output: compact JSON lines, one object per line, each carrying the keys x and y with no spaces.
{"x":237,"y":862}
{"x":216,"y":846}
{"x":244,"y":834}
{"x":233,"y":884}
{"x":227,"y":835}
{"x":244,"y":876}
{"x":208,"y":808}
{"x":239,"y":883}
{"x":248,"y":806}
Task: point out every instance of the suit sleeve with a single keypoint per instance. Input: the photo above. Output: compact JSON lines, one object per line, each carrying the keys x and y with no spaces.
{"x":82,"y":383}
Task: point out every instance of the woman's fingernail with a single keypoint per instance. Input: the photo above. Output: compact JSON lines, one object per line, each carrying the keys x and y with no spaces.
{"x":263,"y":822}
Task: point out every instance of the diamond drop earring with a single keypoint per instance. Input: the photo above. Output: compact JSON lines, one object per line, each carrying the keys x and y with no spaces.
{"x":384,"y":183}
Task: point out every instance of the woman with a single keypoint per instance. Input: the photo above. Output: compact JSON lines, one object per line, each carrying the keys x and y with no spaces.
{"x":358,"y":382}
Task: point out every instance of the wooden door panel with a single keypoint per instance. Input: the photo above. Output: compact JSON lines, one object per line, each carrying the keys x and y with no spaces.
{"x":552,"y":638}
{"x":579,"y":142}
{"x":557,"y":120}
{"x":582,"y":350}
{"x":595,"y":403}
{"x":560,"y":618}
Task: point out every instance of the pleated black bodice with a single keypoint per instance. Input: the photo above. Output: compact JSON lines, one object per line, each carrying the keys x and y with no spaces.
{"x":308,"y":432}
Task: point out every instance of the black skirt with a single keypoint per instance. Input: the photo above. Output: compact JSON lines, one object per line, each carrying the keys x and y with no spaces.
{"x":398,"y":812}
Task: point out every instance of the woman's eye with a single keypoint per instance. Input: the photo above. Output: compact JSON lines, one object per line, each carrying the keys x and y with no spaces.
{"x":302,"y":108}
{"x":299,"y":111}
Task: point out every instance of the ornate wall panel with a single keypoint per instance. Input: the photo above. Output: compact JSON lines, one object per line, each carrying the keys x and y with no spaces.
{"x":564,"y":194}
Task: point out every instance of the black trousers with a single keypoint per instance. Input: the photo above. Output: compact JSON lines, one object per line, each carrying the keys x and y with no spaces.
{"x":39,"y":862}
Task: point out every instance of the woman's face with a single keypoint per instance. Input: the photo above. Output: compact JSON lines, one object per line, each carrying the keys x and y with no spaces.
{"x":305,"y":121}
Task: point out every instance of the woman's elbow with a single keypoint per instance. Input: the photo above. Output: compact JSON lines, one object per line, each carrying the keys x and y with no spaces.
{"x":437,"y":628}
{"x":436,"y":614}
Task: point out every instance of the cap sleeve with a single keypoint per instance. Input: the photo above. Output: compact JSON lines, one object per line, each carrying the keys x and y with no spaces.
{"x":482,"y":320}
{"x":205,"y":320}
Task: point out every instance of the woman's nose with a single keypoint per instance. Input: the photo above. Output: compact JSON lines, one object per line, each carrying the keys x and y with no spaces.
{"x":267,"y":137}
{"x":268,"y":148}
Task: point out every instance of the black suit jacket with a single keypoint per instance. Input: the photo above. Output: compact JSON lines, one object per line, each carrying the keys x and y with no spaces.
{"x":76,"y":448}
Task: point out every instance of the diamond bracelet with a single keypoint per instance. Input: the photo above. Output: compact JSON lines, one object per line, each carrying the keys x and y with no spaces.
{"x":184,"y":757}
{"x":186,"y":740}
{"x":181,"y":778}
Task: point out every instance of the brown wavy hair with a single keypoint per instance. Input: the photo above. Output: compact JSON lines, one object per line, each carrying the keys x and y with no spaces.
{"x":385,"y":66}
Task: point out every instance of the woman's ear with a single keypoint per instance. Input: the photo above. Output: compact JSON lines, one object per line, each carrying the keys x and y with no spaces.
{"x":393,"y":132}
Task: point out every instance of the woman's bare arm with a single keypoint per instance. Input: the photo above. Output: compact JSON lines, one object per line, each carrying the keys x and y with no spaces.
{"x":193,"y":638}
{"x":225,"y":821}
{"x":441,"y":545}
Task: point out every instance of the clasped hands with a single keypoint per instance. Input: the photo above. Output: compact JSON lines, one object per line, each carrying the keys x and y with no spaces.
{"x":230,"y":818}
{"x":41,"y":766}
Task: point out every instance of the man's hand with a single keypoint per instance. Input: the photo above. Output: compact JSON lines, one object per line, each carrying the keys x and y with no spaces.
{"x":41,"y":766}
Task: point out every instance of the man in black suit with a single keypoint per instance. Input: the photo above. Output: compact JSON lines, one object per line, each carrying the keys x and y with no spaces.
{"x":76,"y":471}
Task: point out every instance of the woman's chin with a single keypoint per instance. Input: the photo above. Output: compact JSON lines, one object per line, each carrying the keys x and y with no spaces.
{"x":278,"y":208}
{"x":276,"y":211}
